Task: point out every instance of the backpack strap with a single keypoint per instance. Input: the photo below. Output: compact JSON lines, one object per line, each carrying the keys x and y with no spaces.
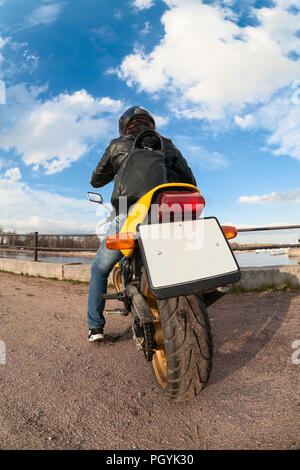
{"x":148,"y":132}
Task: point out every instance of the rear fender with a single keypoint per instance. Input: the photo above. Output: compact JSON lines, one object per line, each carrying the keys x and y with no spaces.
{"x":140,"y":210}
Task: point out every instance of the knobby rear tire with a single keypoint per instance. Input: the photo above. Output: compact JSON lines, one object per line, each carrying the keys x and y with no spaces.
{"x":187,"y":344}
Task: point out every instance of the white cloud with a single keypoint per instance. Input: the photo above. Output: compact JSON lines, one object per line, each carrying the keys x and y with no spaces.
{"x":2,"y":83}
{"x":54,"y":133}
{"x":3,"y":42}
{"x":244,"y":122}
{"x":13,"y":173}
{"x":106,"y":33}
{"x":143,"y":4}
{"x":25,"y":209}
{"x":161,"y":121}
{"x":2,"y":92}
{"x":147,"y":28}
{"x":203,"y":158}
{"x":10,"y":69}
{"x":282,"y":118}
{"x":33,"y":59}
{"x":211,"y":65}
{"x":200,"y":157}
{"x":44,"y":15}
{"x":118,"y":14}
{"x":290,"y":196}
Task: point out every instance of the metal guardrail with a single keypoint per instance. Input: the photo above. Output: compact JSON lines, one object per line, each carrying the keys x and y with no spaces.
{"x":266,"y":247}
{"x":35,"y":242}
{"x":271,"y":246}
{"x":36,"y":236}
{"x":278,"y":227}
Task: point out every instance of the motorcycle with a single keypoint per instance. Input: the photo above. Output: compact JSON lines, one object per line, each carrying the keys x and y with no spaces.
{"x":175,"y":264}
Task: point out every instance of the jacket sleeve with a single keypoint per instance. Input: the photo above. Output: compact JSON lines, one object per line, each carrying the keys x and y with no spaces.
{"x":181,"y":167}
{"x":103,"y":172}
{"x":177,"y":167}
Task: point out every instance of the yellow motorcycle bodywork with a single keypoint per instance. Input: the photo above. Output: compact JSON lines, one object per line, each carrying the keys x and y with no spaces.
{"x":140,"y":210}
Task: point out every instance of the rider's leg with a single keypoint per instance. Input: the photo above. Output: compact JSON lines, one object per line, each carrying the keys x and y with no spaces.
{"x":101,"y":267}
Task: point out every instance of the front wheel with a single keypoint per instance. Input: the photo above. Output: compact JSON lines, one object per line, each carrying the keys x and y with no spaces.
{"x":183,"y":355}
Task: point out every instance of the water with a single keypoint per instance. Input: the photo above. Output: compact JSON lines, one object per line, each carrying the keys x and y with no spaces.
{"x":253,"y":259}
{"x":264,"y":258}
{"x":48,"y":258}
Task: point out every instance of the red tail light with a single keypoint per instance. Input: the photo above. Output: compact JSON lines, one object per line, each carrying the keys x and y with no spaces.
{"x":180,"y":205}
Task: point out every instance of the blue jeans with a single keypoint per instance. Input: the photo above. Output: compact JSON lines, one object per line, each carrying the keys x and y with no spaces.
{"x":101,"y":267}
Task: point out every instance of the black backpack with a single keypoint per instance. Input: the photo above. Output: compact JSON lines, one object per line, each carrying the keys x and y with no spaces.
{"x":142,"y":170}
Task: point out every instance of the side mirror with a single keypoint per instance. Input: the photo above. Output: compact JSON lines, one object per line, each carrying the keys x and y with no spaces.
{"x":95,"y":197}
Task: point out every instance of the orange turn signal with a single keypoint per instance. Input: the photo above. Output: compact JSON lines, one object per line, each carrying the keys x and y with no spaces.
{"x":120,"y":241}
{"x":229,"y":231}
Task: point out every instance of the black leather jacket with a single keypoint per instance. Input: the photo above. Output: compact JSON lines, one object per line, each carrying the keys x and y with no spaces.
{"x":178,"y":170}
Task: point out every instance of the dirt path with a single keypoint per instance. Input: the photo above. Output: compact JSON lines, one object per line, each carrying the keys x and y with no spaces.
{"x":57,"y":391}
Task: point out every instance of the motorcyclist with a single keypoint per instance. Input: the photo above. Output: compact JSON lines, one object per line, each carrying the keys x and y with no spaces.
{"x":131,"y":123}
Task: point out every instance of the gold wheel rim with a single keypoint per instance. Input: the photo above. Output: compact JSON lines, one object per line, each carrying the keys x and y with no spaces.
{"x":159,"y":360}
{"x":117,"y":280}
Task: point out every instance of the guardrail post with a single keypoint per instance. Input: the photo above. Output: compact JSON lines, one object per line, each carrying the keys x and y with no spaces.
{"x":35,"y":245}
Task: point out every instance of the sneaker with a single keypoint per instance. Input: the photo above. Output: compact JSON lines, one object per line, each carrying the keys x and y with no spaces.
{"x":96,"y":334}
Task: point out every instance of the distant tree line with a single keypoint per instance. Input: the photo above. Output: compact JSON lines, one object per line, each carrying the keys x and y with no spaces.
{"x":53,"y":241}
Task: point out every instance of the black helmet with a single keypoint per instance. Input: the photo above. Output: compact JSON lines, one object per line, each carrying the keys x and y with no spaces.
{"x":135,"y":111}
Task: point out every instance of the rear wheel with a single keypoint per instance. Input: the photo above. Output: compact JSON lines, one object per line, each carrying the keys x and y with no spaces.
{"x":183,"y":354}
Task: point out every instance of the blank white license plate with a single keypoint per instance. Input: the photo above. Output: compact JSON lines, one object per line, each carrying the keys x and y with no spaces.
{"x":192,"y":254}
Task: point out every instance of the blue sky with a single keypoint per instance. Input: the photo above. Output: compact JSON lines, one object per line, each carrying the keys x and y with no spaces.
{"x":221,"y":77}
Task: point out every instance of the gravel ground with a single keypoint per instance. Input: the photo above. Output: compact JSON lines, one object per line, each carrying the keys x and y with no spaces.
{"x":58,"y":391}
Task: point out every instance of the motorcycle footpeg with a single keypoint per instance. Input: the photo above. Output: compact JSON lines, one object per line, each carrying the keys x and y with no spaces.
{"x":115,"y":296}
{"x":118,"y":311}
